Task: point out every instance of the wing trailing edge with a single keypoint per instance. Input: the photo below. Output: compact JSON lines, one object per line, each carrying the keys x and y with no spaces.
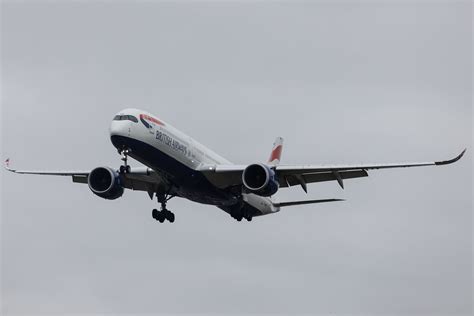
{"x":293,"y":203}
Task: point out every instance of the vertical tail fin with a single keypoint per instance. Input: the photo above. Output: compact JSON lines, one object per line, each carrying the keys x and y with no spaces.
{"x":275,"y":156}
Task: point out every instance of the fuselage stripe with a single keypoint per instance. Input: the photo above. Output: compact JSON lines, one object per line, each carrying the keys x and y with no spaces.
{"x":151,"y":119}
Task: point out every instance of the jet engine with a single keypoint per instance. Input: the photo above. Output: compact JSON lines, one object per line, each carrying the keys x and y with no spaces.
{"x":106,"y":183}
{"x":260,"y":179}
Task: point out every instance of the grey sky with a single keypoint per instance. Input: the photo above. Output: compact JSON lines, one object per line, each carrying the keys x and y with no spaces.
{"x":342,"y":82}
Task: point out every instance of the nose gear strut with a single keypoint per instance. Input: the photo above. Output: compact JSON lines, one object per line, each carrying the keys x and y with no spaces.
{"x":125,"y":168}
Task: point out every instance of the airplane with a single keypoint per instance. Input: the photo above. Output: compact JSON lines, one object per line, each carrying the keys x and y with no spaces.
{"x":179,"y":166}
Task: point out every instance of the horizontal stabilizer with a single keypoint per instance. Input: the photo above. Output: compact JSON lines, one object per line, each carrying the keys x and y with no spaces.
{"x":283,"y":204}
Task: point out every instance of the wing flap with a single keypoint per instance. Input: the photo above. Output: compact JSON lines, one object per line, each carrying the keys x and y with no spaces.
{"x":79,"y":178}
{"x":292,"y":179}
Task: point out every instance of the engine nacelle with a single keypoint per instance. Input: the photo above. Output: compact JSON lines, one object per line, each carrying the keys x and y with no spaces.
{"x":106,"y":183}
{"x":260,"y":179}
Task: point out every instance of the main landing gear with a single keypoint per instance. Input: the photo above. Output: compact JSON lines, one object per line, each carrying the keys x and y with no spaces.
{"x":239,"y":216}
{"x":164,"y":214}
{"x":125,"y":168}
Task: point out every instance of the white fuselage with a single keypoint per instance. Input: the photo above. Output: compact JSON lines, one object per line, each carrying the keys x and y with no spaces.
{"x":167,"y":150}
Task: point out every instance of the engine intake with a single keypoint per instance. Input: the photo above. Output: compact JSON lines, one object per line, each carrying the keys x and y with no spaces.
{"x":106,"y":183}
{"x":260,"y":179}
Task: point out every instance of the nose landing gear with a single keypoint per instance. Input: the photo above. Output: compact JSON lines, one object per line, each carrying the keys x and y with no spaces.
{"x":125,"y":168}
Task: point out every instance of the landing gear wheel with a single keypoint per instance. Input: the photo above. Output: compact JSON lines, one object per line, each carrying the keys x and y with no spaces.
{"x":249,"y":218}
{"x":161,"y":217}
{"x":170,"y":217}
{"x":125,"y":169}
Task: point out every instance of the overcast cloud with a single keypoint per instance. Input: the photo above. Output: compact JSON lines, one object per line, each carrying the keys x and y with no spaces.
{"x":342,"y":82}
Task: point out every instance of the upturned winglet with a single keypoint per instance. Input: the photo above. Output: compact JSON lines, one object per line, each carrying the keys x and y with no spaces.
{"x":6,"y":165}
{"x":447,"y":162}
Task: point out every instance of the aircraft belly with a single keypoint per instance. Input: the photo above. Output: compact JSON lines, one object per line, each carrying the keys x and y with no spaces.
{"x":189,"y":183}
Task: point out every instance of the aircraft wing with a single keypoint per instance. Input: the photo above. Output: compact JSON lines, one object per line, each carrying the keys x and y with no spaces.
{"x":140,"y":179}
{"x":290,"y":175}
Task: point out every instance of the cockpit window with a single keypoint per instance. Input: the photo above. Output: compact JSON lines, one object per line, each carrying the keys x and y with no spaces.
{"x":126,"y":118}
{"x":133,"y":118}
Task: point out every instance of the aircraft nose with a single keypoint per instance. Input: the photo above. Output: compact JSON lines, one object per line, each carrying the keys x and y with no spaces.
{"x":119,"y":132}
{"x":119,"y":128}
